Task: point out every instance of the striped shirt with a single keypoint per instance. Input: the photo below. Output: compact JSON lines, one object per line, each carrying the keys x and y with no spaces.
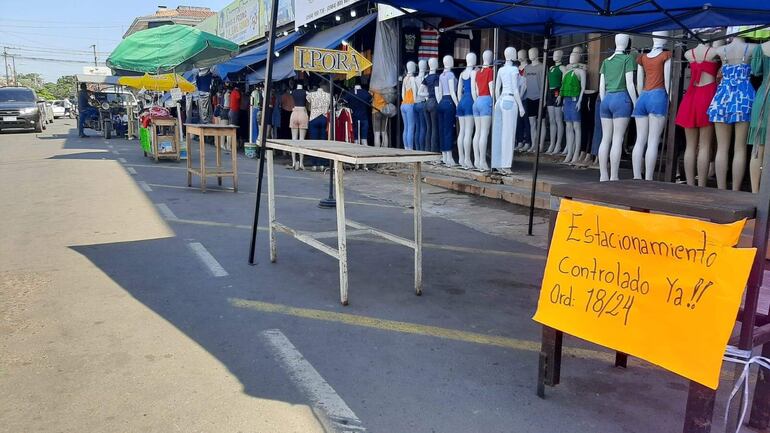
{"x":428,"y":44}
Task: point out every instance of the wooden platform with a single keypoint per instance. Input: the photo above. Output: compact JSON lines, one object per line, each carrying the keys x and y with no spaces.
{"x":352,"y":153}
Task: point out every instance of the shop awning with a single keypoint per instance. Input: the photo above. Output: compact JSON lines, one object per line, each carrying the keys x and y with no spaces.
{"x":330,"y":38}
{"x":581,"y":16}
{"x":253,"y":56}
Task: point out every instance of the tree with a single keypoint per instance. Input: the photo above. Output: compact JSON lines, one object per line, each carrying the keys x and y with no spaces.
{"x":32,"y":80}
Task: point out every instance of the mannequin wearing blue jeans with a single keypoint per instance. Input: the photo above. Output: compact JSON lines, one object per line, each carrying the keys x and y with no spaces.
{"x":407,"y":113}
{"x":317,"y":131}
{"x":420,"y":123}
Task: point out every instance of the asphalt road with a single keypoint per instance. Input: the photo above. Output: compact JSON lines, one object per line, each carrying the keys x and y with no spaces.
{"x":127,"y":305}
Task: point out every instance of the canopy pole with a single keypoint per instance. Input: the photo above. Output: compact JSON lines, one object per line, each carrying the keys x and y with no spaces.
{"x":263,"y":124}
{"x":548,"y":32}
{"x":329,"y":202}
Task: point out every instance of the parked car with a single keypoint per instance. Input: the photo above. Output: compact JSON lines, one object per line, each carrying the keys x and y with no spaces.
{"x":19,"y":109}
{"x":59,"y":110}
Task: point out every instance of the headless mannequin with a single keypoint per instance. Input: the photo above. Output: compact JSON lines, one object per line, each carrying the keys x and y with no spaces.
{"x":649,"y":128}
{"x":465,"y":134}
{"x":421,"y":118}
{"x":431,"y":135}
{"x":482,"y":123}
{"x":521,"y":57}
{"x":298,"y":134}
{"x":448,"y":61}
{"x":614,"y":130}
{"x":360,"y":140}
{"x":574,"y":128}
{"x":507,"y":92}
{"x":732,"y":54}
{"x":534,"y":60}
{"x":555,"y":117}
{"x":758,"y":151}
{"x":408,"y":85}
{"x":700,"y":139}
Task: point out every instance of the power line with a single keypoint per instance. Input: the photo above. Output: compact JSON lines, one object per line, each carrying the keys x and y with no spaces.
{"x":15,"y":47}
{"x":54,"y":27}
{"x":46,"y":59}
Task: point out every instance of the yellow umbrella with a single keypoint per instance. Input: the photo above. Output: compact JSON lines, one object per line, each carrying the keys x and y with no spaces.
{"x":160,"y":83}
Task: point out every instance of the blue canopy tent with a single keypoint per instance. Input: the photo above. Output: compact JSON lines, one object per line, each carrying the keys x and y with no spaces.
{"x":283,"y":68}
{"x":253,"y":56}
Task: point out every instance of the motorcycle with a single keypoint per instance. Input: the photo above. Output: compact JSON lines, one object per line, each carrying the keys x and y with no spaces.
{"x":98,"y":116}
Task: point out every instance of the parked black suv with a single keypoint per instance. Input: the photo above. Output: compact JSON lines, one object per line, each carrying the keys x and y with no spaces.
{"x":19,"y":109}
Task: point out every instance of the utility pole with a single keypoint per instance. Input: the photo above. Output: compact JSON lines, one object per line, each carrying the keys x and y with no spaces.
{"x":5,"y":60}
{"x":13,"y":62}
{"x":95,"y":62}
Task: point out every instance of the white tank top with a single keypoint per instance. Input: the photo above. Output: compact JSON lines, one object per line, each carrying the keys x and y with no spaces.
{"x":509,"y":76}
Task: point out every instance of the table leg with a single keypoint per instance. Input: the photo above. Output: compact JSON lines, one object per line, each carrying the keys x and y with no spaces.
{"x":235,"y":169}
{"x":621,"y":359}
{"x":219,"y":164}
{"x":202,"y":147}
{"x":700,"y":409}
{"x":418,"y":228}
{"x":549,"y":370}
{"x":271,"y":203}
{"x":188,"y":140}
{"x":341,"y":236}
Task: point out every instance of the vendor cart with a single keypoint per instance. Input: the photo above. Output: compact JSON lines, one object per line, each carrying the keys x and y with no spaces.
{"x":160,"y":139}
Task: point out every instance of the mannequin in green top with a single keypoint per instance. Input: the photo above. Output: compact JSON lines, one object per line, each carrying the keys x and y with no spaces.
{"x":572,"y":87}
{"x":553,"y":103}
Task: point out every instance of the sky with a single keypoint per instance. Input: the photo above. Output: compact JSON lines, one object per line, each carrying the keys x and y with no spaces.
{"x":62,"y":31}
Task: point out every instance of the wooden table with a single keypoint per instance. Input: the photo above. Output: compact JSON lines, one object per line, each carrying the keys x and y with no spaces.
{"x":709,"y":204}
{"x":218,"y":132}
{"x":160,"y":122}
{"x":342,"y":153}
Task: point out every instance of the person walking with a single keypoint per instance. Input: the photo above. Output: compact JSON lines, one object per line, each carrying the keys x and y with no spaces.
{"x":83,"y":109}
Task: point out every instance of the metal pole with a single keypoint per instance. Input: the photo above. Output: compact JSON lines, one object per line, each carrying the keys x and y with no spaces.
{"x":5,"y":60}
{"x":548,"y":30}
{"x":13,"y":63}
{"x":263,"y":124}
{"x":95,"y":62}
{"x":329,"y":201}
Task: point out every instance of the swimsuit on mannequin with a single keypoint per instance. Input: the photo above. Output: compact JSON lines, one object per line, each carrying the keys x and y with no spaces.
{"x":420,"y":120}
{"x":534,"y":77}
{"x":554,"y":103}
{"x":652,"y":106}
{"x":692,"y":114}
{"x":298,"y":122}
{"x":465,"y":112}
{"x":730,"y":107}
{"x":760,"y":66}
{"x":482,"y":111}
{"x":508,"y":105}
{"x":430,"y":85}
{"x":616,"y":87}
{"x":572,"y":87}
{"x":446,"y":111}
{"x":408,"y":91}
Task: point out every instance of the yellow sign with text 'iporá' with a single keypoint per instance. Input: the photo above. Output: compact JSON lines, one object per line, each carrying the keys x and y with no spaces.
{"x":349,"y":62}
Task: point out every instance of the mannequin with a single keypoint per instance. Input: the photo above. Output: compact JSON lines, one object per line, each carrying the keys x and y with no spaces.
{"x":408,"y":92}
{"x":380,"y":121}
{"x":298,"y":123}
{"x":447,"y":96}
{"x":359,"y":105}
{"x":534,"y":92}
{"x":522,"y":128}
{"x":428,"y":90}
{"x":692,"y":115}
{"x":420,"y":120}
{"x":465,"y":111}
{"x":554,"y":103}
{"x":653,"y":79}
{"x":731,"y":109}
{"x":573,"y":86}
{"x":508,"y":105}
{"x":483,"y":89}
{"x":616,"y":88}
{"x":760,"y":66}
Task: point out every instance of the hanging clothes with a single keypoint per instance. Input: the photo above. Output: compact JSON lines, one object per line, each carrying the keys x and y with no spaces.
{"x":343,"y":126}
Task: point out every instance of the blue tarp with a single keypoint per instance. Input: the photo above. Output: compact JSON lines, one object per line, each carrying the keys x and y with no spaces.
{"x":330,"y":38}
{"x":582,"y":16}
{"x":252,"y":56}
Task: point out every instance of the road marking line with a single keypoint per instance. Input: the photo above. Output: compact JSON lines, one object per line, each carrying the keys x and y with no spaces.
{"x":131,"y":170}
{"x":413,"y":328}
{"x":335,"y":414}
{"x":240,"y":172}
{"x":144,"y":186}
{"x":205,"y":256}
{"x":109,"y":146}
{"x":166,"y":211}
{"x":115,"y":151}
{"x":160,"y":185}
{"x":122,"y":160}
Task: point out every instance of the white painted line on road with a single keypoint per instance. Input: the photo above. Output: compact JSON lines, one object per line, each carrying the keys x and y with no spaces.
{"x":165,"y":211}
{"x":331,"y":410}
{"x":131,"y":170}
{"x":109,"y":146}
{"x":122,"y":160}
{"x":115,"y":152}
{"x":144,"y":186}
{"x":205,"y":256}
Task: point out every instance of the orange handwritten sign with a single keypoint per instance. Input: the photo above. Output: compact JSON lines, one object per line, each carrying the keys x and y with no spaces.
{"x":662,"y":288}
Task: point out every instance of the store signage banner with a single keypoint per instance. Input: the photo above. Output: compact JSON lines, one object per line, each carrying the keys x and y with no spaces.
{"x":662,"y":288}
{"x":243,"y":21}
{"x":310,"y":10}
{"x":349,"y":62}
